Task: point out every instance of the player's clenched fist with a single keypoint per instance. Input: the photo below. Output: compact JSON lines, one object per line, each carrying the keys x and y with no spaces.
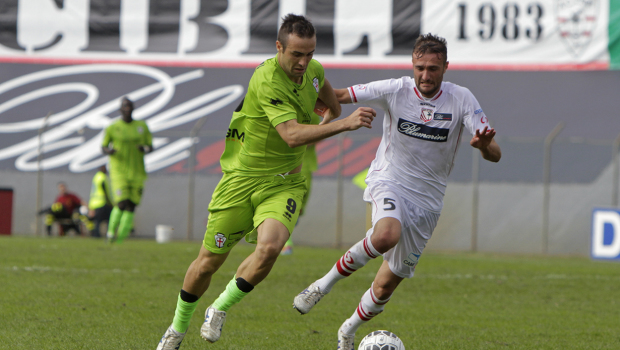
{"x":362,"y":116}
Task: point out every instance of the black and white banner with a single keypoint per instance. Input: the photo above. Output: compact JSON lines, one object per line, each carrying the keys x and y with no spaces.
{"x":501,"y":34}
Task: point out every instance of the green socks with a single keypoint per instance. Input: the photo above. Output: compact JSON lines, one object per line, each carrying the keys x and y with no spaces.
{"x":230,"y":296}
{"x":126,"y":225}
{"x":183,"y":314}
{"x":115,"y":220}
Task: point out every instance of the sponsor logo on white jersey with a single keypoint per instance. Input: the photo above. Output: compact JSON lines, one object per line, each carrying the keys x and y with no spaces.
{"x":422,"y":132}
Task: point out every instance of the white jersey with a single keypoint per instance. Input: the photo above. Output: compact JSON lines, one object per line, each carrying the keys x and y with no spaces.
{"x":421,"y":136}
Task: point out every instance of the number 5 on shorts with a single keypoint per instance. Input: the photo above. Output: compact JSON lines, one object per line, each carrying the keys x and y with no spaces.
{"x":390,"y":203}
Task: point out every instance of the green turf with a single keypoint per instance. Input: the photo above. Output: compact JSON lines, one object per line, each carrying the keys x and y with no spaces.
{"x":78,"y":293}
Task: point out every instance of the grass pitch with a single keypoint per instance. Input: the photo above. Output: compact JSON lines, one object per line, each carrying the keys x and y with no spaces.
{"x":78,"y":293}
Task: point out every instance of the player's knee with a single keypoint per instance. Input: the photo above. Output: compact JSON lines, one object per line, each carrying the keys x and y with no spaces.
{"x":268,"y":252}
{"x":386,"y":237}
{"x":130,"y":206}
{"x":383,"y":290}
{"x":205,"y":267}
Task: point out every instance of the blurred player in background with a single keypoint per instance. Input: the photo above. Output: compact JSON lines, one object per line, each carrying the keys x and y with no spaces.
{"x":100,"y":203}
{"x":260,"y":193}
{"x":64,"y":211}
{"x":424,"y":119}
{"x":126,"y":141}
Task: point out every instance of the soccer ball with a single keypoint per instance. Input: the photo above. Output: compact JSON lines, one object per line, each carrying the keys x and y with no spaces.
{"x":381,"y":340}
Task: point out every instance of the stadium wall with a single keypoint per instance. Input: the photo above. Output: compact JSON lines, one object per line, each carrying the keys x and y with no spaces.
{"x":509,"y":221}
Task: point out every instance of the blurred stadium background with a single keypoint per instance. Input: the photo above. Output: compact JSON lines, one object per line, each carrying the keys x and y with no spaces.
{"x":544,"y":71}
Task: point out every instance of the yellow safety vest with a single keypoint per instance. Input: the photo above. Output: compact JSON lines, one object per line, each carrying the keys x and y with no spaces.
{"x":98,"y":197}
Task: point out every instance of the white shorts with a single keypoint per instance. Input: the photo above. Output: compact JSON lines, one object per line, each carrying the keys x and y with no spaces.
{"x":417,"y":225}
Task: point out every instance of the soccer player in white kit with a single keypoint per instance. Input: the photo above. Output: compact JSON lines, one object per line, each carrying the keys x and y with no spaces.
{"x":422,"y":127}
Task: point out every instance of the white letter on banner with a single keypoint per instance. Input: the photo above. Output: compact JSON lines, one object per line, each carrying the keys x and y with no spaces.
{"x":355,"y":18}
{"x":236,"y":21}
{"x":134,"y":26}
{"x":39,"y":22}
{"x":599,"y":249}
{"x":188,"y":29}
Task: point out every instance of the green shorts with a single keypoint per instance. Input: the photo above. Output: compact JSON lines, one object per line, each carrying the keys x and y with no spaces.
{"x":241,"y":203}
{"x":304,"y":201}
{"x":127,"y":189}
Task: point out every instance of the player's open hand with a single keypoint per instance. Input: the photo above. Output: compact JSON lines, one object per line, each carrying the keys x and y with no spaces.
{"x":483,"y":138}
{"x":362,"y":116}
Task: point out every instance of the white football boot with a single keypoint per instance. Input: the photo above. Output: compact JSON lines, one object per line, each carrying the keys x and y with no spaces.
{"x":171,"y":340}
{"x":305,"y":300}
{"x":211,"y":329}
{"x":345,"y":341}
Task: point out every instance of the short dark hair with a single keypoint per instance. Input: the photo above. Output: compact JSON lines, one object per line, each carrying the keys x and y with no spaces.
{"x":297,"y":25}
{"x":429,"y":43}
{"x":125,"y":98}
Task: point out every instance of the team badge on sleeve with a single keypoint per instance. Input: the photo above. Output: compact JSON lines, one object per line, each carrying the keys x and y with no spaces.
{"x":220,"y":239}
{"x":315,"y":82}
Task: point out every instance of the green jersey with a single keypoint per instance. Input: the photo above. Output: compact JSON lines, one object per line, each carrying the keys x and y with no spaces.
{"x":253,"y":146}
{"x":311,"y":163}
{"x":100,"y":192}
{"x":127,"y":162}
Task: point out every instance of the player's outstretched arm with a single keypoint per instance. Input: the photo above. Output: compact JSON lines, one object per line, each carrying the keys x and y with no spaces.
{"x":295,"y":134}
{"x":343,"y":96}
{"x":328,"y":97}
{"x":485,"y":142}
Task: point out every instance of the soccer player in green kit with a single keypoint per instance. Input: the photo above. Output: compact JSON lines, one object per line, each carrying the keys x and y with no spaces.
{"x":130,"y":140}
{"x":259,"y":195}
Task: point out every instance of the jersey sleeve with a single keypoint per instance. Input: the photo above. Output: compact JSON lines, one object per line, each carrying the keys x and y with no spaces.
{"x":374,"y":93}
{"x":148,"y":137}
{"x":107,"y":138}
{"x":473,"y":116}
{"x":275,"y":104}
{"x":320,"y":72}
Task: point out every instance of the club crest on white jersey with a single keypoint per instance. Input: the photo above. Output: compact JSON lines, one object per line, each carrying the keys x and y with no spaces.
{"x":427,"y":115}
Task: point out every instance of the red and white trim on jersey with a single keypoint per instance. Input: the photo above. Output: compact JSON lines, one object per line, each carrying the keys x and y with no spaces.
{"x":352,"y":93}
{"x":422,"y":98}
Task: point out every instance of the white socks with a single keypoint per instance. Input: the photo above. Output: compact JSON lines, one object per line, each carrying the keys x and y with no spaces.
{"x":368,"y":308}
{"x":358,"y":256}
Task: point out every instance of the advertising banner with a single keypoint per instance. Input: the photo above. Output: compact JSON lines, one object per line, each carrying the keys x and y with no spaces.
{"x":502,"y":34}
{"x":183,"y":60}
{"x":606,"y":234}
